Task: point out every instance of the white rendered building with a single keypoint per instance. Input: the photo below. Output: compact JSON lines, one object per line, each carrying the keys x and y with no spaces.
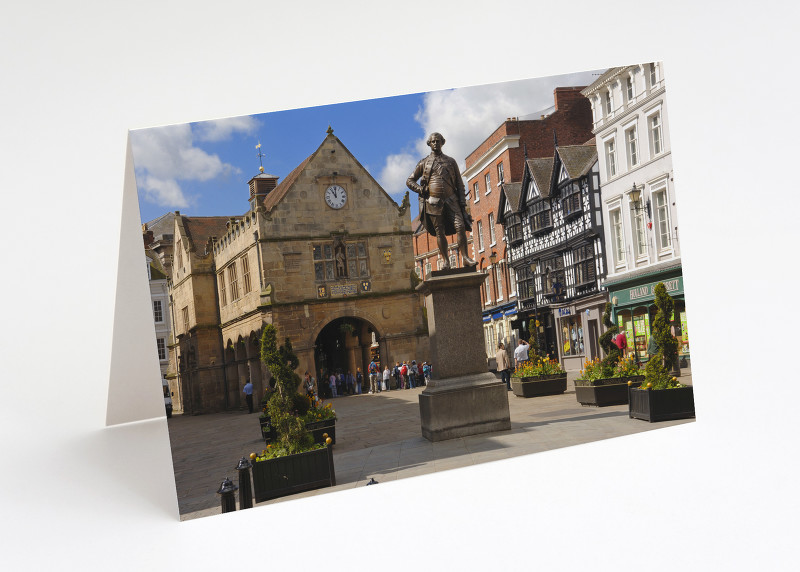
{"x":631,"y":128}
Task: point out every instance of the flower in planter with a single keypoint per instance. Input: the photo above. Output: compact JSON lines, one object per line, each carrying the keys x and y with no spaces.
{"x":542,"y":366}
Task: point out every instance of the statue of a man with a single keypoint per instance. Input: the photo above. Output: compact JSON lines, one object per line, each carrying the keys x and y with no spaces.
{"x":442,"y":200}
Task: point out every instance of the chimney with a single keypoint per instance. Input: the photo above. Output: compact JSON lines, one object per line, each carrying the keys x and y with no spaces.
{"x":565,"y":97}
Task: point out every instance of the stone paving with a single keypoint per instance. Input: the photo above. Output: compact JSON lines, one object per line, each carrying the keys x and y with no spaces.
{"x":378,"y":436}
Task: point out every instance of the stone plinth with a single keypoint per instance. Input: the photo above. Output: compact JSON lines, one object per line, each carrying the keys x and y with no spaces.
{"x":463,"y":398}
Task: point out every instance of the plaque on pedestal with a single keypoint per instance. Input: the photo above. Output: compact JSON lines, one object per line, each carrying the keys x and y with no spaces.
{"x":462,"y":398}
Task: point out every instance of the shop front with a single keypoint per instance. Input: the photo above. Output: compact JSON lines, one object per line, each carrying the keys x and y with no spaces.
{"x":498,"y":328}
{"x":578,"y":327}
{"x":634,"y":312}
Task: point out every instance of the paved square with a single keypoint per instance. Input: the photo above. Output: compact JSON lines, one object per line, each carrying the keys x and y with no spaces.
{"x":379,"y":436}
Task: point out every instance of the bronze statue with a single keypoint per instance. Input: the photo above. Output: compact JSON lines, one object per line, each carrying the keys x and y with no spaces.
{"x":442,"y":200}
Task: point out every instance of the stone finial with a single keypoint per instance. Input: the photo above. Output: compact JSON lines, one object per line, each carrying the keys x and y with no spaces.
{"x":329,"y":130}
{"x":404,"y":205}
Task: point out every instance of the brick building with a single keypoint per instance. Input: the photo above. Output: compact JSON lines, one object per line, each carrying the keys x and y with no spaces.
{"x":500,"y":161}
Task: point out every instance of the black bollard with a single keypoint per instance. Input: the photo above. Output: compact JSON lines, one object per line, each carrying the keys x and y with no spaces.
{"x":245,"y":489}
{"x":227,"y":491}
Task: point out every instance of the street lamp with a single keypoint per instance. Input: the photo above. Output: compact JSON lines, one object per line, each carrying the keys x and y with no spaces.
{"x":636,"y":195}
{"x":535,"y":306}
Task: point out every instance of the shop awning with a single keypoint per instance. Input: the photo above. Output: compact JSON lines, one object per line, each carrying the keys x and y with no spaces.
{"x":497,"y":316}
{"x":487,"y":318}
{"x":511,"y":312}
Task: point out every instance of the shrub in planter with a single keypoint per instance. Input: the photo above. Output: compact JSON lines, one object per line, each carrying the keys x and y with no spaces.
{"x":663,"y":396}
{"x":292,"y":462}
{"x":543,"y":376}
{"x":613,"y":353}
{"x":593,"y":388}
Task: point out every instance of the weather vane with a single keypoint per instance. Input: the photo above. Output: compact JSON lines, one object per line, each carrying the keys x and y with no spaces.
{"x":260,"y":154}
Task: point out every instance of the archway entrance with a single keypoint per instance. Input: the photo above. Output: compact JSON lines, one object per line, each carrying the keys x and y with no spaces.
{"x":344,"y":345}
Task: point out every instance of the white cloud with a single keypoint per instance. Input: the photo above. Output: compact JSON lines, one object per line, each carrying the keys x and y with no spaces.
{"x":221,"y":129}
{"x":466,"y":116}
{"x":395,"y":172}
{"x":164,"y":156}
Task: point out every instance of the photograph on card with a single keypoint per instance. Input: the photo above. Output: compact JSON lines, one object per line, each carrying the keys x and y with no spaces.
{"x":351,"y":294}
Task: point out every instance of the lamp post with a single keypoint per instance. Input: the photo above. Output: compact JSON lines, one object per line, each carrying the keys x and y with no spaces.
{"x":535,"y":306}
{"x":636,"y":195}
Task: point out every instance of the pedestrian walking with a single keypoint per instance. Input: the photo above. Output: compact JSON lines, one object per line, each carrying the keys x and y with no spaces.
{"x":503,"y":365}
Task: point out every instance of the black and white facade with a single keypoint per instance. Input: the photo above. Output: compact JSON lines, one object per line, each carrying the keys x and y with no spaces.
{"x":554,"y":232}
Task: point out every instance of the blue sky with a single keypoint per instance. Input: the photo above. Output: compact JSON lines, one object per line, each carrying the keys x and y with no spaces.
{"x":202,"y":169}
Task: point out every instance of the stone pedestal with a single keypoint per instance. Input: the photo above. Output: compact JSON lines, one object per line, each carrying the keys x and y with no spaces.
{"x":463,"y":398}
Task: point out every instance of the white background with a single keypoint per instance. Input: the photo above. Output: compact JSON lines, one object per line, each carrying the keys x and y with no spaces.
{"x":720,"y":493}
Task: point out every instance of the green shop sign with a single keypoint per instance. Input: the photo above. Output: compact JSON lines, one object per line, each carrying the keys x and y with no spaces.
{"x":644,"y":292}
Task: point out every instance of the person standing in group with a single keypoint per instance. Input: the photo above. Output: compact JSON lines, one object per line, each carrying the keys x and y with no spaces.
{"x":386,"y":376}
{"x":521,"y":353}
{"x":359,"y":380}
{"x":351,"y":383}
{"x":373,"y":377}
{"x":308,"y":384}
{"x":248,"y":395}
{"x":420,"y":375}
{"x":332,"y":381}
{"x":503,"y":365}
{"x":396,"y":375}
{"x":412,"y":374}
{"x":404,"y":375}
{"x":426,"y":372}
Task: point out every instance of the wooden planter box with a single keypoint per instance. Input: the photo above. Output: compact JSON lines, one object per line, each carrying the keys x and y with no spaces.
{"x":319,"y":428}
{"x":284,"y":476}
{"x":539,"y":385}
{"x":661,"y":404}
{"x":603,"y":392}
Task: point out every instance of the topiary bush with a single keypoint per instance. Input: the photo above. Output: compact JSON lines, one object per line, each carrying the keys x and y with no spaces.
{"x":613,"y":354}
{"x":282,"y":406}
{"x":657,"y":371}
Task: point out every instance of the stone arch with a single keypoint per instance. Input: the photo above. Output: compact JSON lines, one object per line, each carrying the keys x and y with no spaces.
{"x":345,"y":343}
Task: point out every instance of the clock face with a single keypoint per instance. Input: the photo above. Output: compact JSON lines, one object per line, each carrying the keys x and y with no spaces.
{"x":335,"y":196}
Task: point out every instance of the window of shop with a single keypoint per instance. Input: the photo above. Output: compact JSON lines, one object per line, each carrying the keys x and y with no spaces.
{"x":540,"y":218}
{"x":233,"y":281}
{"x":162,"y":349}
{"x":499,"y":281}
{"x":571,"y":336}
{"x":479,"y":231}
{"x":427,"y":269}
{"x":512,"y":283}
{"x":583,"y":265}
{"x":476,"y":191}
{"x":246,"y":273}
{"x":617,"y":237}
{"x":489,"y":335}
{"x":640,"y":236}
{"x":640,"y":332}
{"x":222,"y":293}
{"x":500,"y":176}
{"x":488,"y":183}
{"x":492,"y":239}
{"x":158,"y":313}
{"x":662,"y":219}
